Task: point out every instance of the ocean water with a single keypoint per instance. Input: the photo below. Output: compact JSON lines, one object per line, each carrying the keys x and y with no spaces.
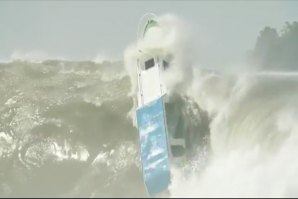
{"x":66,"y":131}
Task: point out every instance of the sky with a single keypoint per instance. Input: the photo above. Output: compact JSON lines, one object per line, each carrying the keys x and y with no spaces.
{"x":83,"y":30}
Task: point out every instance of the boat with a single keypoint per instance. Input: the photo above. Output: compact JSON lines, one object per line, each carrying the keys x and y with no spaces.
{"x":161,"y":143}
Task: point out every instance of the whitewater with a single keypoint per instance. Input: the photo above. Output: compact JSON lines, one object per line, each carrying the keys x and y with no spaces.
{"x":67,"y":128}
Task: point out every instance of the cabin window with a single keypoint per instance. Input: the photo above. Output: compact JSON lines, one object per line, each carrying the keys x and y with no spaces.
{"x":149,"y":64}
{"x":165,"y":64}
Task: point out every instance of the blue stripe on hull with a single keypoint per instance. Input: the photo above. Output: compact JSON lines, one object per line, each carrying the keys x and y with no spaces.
{"x":154,"y":148}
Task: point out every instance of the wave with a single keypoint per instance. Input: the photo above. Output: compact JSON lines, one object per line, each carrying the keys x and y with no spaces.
{"x":34,"y":56}
{"x":69,"y":118}
{"x":38,"y":56}
{"x":252,"y":125}
{"x":57,"y":118}
{"x":252,"y":133}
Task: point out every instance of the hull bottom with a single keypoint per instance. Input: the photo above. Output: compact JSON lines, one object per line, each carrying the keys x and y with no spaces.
{"x":154,"y":146}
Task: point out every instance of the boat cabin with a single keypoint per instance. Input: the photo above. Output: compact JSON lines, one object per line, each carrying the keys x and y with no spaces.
{"x":151,"y":85}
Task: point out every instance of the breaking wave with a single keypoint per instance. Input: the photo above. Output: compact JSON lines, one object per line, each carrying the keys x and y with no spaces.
{"x":248,"y":148}
{"x":253,"y":132}
{"x":64,"y":130}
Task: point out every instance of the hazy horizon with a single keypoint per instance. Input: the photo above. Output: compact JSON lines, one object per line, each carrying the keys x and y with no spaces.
{"x":86,"y":30}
